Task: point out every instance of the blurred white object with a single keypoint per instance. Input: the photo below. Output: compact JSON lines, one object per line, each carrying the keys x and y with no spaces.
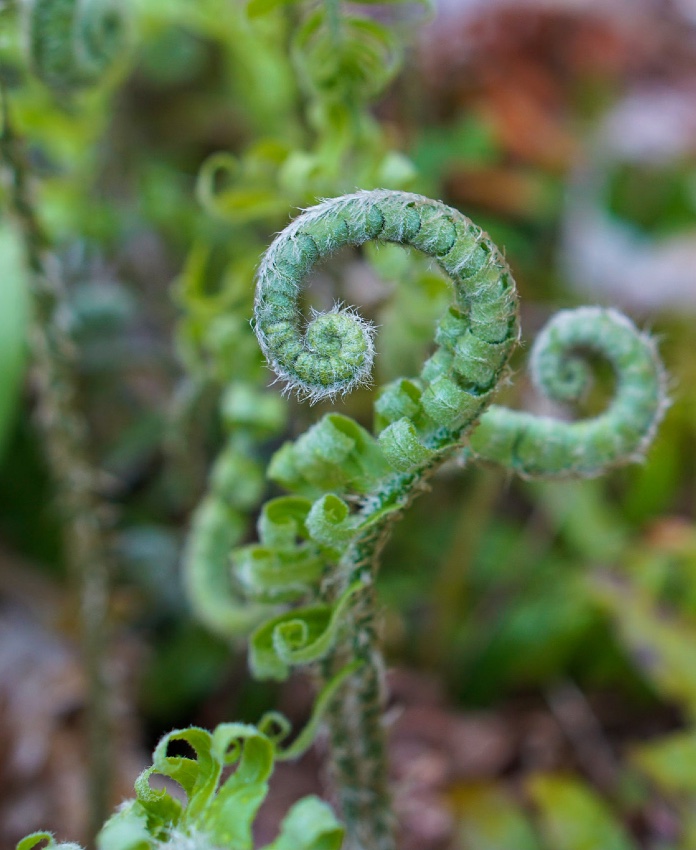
{"x":608,"y":258}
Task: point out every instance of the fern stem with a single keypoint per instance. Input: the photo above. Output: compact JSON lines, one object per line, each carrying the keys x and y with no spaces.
{"x":359,"y":759}
{"x":64,"y":433}
{"x":358,"y":741}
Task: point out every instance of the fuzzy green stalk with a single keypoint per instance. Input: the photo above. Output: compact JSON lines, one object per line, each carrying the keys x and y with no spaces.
{"x":359,"y":760}
{"x":64,"y":434}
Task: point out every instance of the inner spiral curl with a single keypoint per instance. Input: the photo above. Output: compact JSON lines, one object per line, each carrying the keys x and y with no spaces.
{"x":339,"y":352}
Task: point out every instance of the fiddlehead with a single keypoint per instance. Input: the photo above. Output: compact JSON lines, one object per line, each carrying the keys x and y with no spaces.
{"x":335,"y":353}
{"x":538,"y":446}
{"x":72,"y":43}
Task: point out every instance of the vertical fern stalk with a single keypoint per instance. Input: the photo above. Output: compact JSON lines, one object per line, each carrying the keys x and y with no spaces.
{"x":420,"y":424}
{"x":358,"y":745}
{"x":71,"y":44}
{"x":64,"y":434}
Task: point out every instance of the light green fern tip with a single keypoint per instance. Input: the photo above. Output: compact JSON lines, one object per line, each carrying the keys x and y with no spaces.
{"x":220,"y":806}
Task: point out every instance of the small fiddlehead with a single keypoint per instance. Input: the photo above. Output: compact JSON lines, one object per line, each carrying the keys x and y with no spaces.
{"x":223,"y":785}
{"x":539,"y":446}
{"x":72,"y":43}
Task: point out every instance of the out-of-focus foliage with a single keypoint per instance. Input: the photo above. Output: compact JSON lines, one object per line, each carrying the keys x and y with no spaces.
{"x":14,"y":321}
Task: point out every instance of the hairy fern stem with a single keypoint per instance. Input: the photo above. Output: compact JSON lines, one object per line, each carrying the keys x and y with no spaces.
{"x":359,"y":762}
{"x":354,"y":719}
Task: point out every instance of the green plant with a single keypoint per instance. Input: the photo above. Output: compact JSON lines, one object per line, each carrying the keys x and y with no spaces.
{"x":324,"y":542}
{"x":71,"y":44}
{"x":320,"y":547}
{"x":318,"y":138}
{"x":217,"y":812}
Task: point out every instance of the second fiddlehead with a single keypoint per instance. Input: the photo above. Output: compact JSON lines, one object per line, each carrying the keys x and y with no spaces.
{"x":541,"y":447}
{"x":324,"y":543}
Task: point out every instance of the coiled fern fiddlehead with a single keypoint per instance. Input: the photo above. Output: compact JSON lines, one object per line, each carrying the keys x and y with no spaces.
{"x":318,"y":539}
{"x":73,"y":43}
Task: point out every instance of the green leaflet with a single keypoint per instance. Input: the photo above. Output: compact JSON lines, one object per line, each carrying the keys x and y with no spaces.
{"x":336,"y":454}
{"x":126,"y":830}
{"x":309,"y":824}
{"x":329,"y":521}
{"x":399,"y":399}
{"x":217,"y":813}
{"x":297,"y":637}
{"x":284,"y":567}
{"x":276,"y":575}
{"x":283,"y":521}
{"x":402,"y":446}
{"x":45,"y":840}
{"x":227,"y":812}
{"x":14,"y":320}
